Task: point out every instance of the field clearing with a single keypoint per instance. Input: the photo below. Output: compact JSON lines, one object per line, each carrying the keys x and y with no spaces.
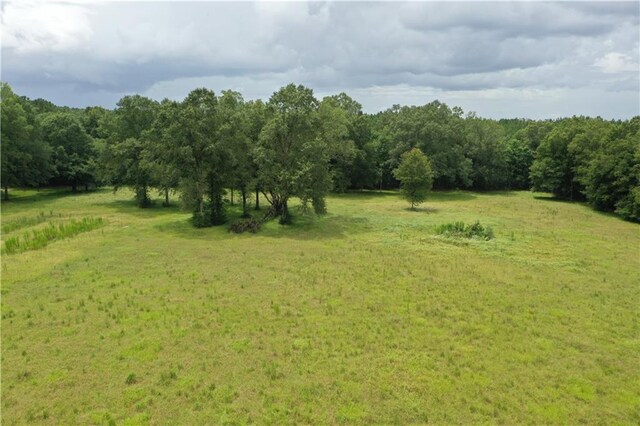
{"x":362,"y":316}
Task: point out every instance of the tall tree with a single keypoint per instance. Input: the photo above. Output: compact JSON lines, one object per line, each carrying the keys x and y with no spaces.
{"x":485,"y":148}
{"x":162,"y":144}
{"x":124,"y":158}
{"x":235,"y":134}
{"x":73,"y":149}
{"x":203,"y":160}
{"x":25,"y":156}
{"x":364,"y":170}
{"x":257,"y":116}
{"x":552,"y":169}
{"x":287,"y":153}
{"x":339,"y":116}
{"x":611,"y":176}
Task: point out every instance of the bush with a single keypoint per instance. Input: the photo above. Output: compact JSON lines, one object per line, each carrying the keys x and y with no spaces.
{"x":200,"y":220}
{"x":241,"y":225}
{"x":460,"y":230}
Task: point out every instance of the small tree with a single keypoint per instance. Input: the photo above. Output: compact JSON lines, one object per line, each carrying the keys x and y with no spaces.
{"x":415,"y":176}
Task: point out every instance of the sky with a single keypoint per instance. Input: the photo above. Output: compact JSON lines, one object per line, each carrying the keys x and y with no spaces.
{"x":500,"y":59}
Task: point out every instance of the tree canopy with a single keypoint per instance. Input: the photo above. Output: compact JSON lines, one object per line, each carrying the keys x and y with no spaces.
{"x":207,"y":146}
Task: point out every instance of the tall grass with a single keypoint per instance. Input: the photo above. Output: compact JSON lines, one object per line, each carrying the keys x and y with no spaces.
{"x":460,"y":230}
{"x":25,"y":221}
{"x":38,"y":238}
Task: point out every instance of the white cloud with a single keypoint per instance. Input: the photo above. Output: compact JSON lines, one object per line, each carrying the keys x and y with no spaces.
{"x":616,"y":62}
{"x":32,"y":27}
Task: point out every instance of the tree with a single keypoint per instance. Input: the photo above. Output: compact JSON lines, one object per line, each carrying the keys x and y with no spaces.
{"x":257,"y":116}
{"x":439,"y":132}
{"x":92,"y":118}
{"x":487,"y":153}
{"x":562,"y":158}
{"x":161,"y":146}
{"x":552,"y":169}
{"x":415,"y":176}
{"x":363,"y":171}
{"x":235,"y":134}
{"x":73,"y":149}
{"x":339,"y":116}
{"x":26,"y":158}
{"x":124,"y":159}
{"x":611,"y":177}
{"x":288,"y":148}
{"x":201,"y":157}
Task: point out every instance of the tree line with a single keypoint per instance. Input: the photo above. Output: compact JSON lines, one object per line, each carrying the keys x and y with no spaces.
{"x":295,"y":145}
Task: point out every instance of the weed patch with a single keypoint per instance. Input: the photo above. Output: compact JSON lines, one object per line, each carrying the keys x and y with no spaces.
{"x":461,"y":230}
{"x":25,"y":222}
{"x":39,"y":238}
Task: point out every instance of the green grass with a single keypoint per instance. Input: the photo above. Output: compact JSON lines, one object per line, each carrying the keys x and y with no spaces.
{"x":363,"y":316}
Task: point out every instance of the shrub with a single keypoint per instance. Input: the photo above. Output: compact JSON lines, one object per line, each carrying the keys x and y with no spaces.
{"x":241,"y":225}
{"x":200,"y":220}
{"x":460,"y":230}
{"x":212,"y":214}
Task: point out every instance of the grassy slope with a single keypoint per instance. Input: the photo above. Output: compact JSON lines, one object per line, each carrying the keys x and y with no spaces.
{"x":359,"y":317}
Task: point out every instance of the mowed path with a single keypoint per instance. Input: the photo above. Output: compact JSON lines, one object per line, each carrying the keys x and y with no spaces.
{"x":363,"y":316}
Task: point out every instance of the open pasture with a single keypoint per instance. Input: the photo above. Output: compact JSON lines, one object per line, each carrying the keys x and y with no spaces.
{"x":362,"y":316}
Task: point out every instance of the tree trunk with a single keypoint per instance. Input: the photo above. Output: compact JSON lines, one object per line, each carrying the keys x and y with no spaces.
{"x":571,"y":190}
{"x":217,"y":206}
{"x":6,"y":193}
{"x":200,"y":207}
{"x":74,"y":186}
{"x":166,"y":196}
{"x":257,"y":199}
{"x":86,"y":187}
{"x":141,"y":196}
{"x":285,"y":217}
{"x":280,"y":208}
{"x":245,"y":213}
{"x":231,"y":196}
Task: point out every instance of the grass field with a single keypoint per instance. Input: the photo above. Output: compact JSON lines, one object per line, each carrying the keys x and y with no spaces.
{"x":363,"y":316}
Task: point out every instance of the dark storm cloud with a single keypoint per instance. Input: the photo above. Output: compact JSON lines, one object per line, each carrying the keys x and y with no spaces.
{"x":524,"y":19}
{"x":79,"y":53}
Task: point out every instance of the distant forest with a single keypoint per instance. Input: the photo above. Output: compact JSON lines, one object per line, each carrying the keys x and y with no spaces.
{"x":296,"y":145}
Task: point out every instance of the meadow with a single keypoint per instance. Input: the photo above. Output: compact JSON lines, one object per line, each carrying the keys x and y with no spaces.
{"x":361,"y":316}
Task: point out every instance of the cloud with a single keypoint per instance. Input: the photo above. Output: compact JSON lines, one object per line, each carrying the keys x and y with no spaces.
{"x":93,"y":52}
{"x":33,"y":27}
{"x":616,"y":62}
